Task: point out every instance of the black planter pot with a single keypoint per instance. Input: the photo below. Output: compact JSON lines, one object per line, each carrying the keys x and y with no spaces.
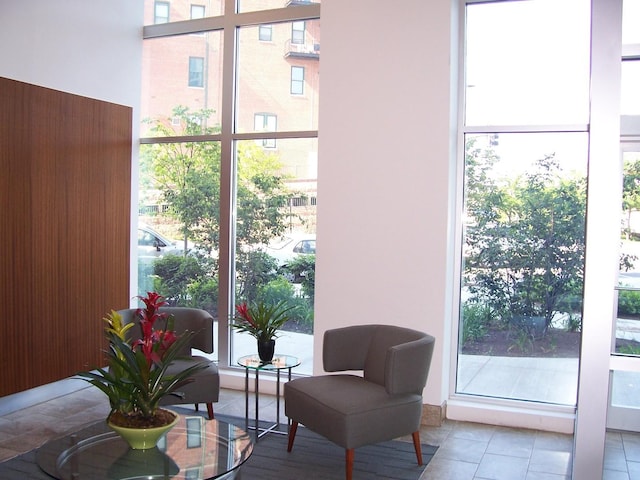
{"x":266,"y":349}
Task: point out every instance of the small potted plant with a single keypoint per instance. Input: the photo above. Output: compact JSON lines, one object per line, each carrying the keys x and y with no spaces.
{"x":262,"y":321}
{"x":137,"y":376}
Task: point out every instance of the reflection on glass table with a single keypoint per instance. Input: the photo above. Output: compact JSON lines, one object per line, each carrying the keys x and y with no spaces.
{"x":194,"y":448}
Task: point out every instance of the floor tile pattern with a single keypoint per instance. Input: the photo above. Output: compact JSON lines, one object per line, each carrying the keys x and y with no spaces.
{"x":467,"y":451}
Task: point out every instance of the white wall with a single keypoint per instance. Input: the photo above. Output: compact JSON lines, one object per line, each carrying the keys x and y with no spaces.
{"x":89,"y":48}
{"x":384,"y":172}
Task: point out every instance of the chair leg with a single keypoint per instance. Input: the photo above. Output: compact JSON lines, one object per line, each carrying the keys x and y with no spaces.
{"x":417,"y":446}
{"x":210,"y":410}
{"x":292,"y":435}
{"x":349,"y":457}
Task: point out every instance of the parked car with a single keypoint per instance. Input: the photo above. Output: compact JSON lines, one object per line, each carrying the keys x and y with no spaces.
{"x":291,"y":246}
{"x":152,"y":244}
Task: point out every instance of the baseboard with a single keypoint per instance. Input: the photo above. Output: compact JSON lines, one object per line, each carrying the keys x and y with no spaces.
{"x":551,"y":419}
{"x":433,"y":415}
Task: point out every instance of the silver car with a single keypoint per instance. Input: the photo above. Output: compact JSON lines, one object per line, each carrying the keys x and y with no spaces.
{"x":152,"y":244}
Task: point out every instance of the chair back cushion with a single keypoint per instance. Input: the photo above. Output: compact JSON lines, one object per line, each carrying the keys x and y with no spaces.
{"x":195,"y":320}
{"x":395,"y":357}
{"x":346,"y":348}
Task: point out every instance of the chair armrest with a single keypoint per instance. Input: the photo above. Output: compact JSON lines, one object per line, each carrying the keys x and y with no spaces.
{"x":407,"y":366}
{"x":346,"y":348}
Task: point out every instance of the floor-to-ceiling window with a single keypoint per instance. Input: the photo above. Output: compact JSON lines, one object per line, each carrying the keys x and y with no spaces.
{"x":624,"y":399}
{"x":525,"y":124}
{"x":228,"y":169}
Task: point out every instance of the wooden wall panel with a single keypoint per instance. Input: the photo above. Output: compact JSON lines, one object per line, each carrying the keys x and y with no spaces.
{"x":65,"y":183}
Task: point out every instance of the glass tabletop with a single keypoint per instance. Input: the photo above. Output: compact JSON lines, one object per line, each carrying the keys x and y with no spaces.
{"x":194,"y":448}
{"x":277,"y":363}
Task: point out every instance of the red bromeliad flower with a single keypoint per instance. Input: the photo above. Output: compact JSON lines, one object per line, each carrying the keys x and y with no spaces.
{"x":154,"y":343}
{"x":243,"y":311}
{"x":261,"y":320}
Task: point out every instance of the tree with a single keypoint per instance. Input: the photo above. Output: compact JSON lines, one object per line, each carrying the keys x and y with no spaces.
{"x":630,"y":191}
{"x":187,"y":176}
{"x":525,"y":240}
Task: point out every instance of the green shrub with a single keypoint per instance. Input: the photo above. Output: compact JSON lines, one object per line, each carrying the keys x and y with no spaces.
{"x":203,"y":293}
{"x":280,"y":289}
{"x":475,"y":321}
{"x":303,"y":271}
{"x":628,"y":302}
{"x":276,"y":291}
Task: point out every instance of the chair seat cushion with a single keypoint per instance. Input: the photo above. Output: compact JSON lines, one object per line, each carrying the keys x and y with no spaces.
{"x":351,"y":411}
{"x":204,"y":388}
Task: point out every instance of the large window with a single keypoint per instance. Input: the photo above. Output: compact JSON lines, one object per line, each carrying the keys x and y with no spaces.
{"x":526,"y":110}
{"x":227,"y":193}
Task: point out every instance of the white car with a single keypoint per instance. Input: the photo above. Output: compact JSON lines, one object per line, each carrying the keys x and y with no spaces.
{"x":291,"y":246}
{"x":152,"y":244}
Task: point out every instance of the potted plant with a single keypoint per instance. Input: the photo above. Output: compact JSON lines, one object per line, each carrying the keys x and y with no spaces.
{"x":262,"y":321}
{"x":137,"y":376}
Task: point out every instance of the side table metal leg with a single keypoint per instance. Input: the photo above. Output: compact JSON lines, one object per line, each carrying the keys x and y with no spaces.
{"x":288,"y":419}
{"x":246,"y":399}
{"x":278,"y":399}
{"x":257,"y":395}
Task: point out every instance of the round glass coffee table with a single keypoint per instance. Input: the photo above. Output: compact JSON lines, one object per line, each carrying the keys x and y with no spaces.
{"x":194,"y":448}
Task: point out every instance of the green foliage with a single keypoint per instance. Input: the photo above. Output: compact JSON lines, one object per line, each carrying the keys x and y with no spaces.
{"x":173,"y":276}
{"x":277,"y":290}
{"x":574,"y":323}
{"x":281,"y":290}
{"x":475,"y":322}
{"x":203,"y":293}
{"x":303,"y":270}
{"x":629,"y":303}
{"x":253,"y":269}
{"x":188,"y":177}
{"x":137,"y":377}
{"x":523,"y":340}
{"x":630,"y":190}
{"x":628,"y":349}
{"x":525,"y":240}
{"x":260,"y":319}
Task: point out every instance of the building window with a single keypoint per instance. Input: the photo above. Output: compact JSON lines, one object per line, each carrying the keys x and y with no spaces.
{"x":297,"y":80}
{"x":297,"y":32}
{"x":265,"y":33}
{"x":196,"y":70}
{"x":161,"y":12}
{"x":265,"y":122}
{"x":197,"y":11}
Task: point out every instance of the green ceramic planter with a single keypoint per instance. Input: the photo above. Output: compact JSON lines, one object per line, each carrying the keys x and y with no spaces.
{"x":143,"y":438}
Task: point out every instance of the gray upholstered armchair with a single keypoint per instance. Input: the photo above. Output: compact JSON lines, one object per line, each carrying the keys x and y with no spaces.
{"x":205,"y":387}
{"x":382,"y":404}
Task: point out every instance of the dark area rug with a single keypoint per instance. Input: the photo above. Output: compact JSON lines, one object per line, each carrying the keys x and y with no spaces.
{"x":312,"y":457}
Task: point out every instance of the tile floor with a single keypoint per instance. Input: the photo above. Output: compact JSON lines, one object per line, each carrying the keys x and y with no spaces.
{"x":467,"y":451}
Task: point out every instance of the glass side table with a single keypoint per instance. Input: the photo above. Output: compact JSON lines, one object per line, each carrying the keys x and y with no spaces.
{"x":278,"y":363}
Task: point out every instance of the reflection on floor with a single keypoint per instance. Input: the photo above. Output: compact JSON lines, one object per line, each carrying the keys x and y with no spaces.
{"x":467,"y":451}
